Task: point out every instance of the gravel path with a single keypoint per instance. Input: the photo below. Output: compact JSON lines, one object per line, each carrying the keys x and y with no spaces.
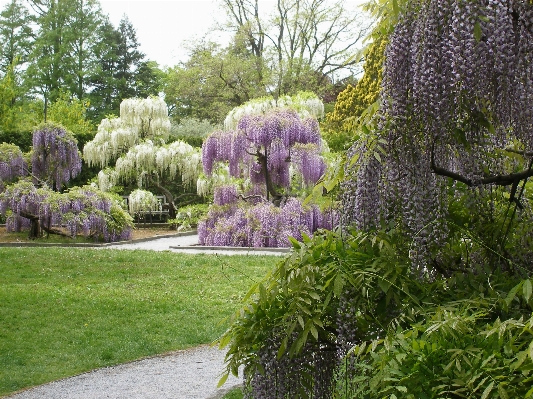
{"x":188,"y":374}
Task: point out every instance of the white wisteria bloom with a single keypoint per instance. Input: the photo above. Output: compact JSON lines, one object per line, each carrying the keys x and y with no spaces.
{"x":142,"y":201}
{"x":107,"y":178}
{"x":148,"y":158}
{"x":140,"y":119}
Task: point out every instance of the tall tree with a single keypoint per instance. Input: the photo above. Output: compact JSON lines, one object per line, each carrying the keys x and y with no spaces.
{"x":15,"y":35}
{"x":212,"y":82}
{"x":129,"y":60}
{"x":103,"y":94}
{"x":47,"y":69}
{"x":82,"y":38}
{"x":306,"y":42}
{"x":122,"y":71}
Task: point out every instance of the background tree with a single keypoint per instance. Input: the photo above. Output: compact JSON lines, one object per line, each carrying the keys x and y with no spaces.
{"x":50,"y":48}
{"x":305,"y":43}
{"x":212,"y":82}
{"x":15,"y":36}
{"x":82,"y":36}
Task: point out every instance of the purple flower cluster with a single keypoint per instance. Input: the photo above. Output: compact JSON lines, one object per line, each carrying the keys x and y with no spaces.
{"x":271,"y":136}
{"x":279,"y":124}
{"x":225,"y":195}
{"x":457,"y":86}
{"x":263,"y":224}
{"x":291,"y":377}
{"x":12,"y":163}
{"x":308,"y":162}
{"x":55,"y":156}
{"x":82,"y":210}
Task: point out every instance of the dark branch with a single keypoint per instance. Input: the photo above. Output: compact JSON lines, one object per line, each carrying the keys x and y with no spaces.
{"x":499,"y":180}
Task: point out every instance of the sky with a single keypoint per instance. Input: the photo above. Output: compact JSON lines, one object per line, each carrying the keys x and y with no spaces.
{"x":164,"y":27}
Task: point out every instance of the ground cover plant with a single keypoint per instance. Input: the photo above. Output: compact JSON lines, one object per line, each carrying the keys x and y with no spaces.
{"x":66,"y":311}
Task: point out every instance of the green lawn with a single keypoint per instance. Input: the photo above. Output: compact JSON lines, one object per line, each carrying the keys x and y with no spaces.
{"x":64,"y":311}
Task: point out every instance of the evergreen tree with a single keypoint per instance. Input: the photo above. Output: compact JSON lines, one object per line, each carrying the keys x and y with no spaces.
{"x":129,"y":60}
{"x":15,"y":35}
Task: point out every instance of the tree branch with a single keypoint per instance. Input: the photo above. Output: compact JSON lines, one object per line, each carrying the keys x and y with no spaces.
{"x":499,"y":180}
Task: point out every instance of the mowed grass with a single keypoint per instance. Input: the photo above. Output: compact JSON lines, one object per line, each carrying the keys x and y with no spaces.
{"x":64,"y":311}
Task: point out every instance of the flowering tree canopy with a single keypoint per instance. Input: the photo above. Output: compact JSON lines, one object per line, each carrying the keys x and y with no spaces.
{"x":55,"y":156}
{"x":456,"y":108}
{"x":264,"y":147}
{"x":136,"y":141}
{"x":140,"y":119}
{"x":304,"y":103}
{"x":81,"y":210}
{"x":12,"y":164}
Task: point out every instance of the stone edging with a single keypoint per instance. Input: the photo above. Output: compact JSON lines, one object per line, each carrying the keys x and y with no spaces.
{"x":247,"y":249}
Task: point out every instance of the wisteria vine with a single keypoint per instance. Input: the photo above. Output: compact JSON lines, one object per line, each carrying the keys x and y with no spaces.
{"x":456,"y":95}
{"x":55,"y":157}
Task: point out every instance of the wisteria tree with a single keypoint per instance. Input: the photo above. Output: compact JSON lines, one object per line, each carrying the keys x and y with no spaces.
{"x":41,"y":206}
{"x":135,"y":143}
{"x":456,"y":115}
{"x":277,"y":155}
{"x":265,"y":146}
{"x":81,"y":210}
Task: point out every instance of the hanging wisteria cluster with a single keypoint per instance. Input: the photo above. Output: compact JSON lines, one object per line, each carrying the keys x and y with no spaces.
{"x":289,"y":377}
{"x":139,"y":119}
{"x":457,"y":92}
{"x":12,"y":164}
{"x":82,"y":210}
{"x":231,"y":222}
{"x":142,"y":201}
{"x":264,"y":147}
{"x":55,"y":157}
{"x":146,"y":159}
{"x":306,"y":104}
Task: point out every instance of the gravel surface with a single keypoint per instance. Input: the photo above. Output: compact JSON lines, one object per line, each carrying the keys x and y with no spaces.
{"x":188,"y":374}
{"x":188,"y":243}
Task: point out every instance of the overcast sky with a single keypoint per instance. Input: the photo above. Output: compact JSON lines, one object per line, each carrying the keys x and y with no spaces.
{"x":163,"y":26}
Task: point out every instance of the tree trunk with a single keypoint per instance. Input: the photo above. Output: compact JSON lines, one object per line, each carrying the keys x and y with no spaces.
{"x":170,"y":198}
{"x":35,"y":227}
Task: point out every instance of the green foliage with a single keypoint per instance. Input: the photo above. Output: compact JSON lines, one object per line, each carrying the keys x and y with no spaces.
{"x":72,"y":114}
{"x":212,"y":82}
{"x":21,"y":139}
{"x":234,"y":393}
{"x":467,"y":334}
{"x":188,"y":216}
{"x":191,"y":130}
